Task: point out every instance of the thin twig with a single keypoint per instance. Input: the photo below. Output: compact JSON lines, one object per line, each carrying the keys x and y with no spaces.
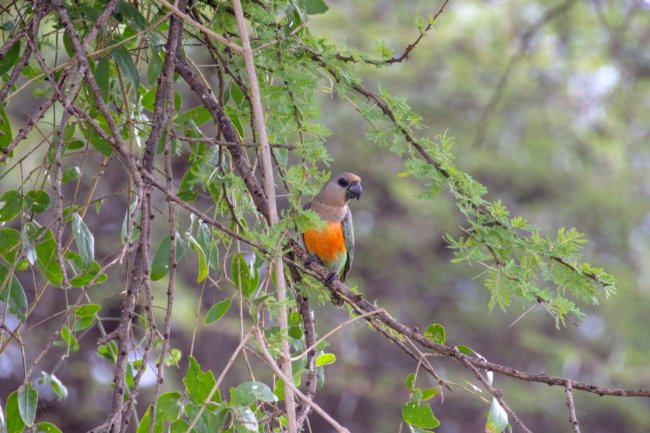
{"x":573,"y":419}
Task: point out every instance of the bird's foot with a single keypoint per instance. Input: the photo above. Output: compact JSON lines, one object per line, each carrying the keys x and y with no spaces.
{"x":312,"y":258}
{"x":330,"y":277}
{"x":336,"y":299}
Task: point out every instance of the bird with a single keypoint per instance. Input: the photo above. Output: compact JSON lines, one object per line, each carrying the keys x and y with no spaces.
{"x":333,"y":245}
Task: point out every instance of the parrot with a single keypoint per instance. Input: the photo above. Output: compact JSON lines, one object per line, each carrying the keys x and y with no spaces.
{"x":333,"y":246}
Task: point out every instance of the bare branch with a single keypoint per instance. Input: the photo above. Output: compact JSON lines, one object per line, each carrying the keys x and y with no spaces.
{"x":573,"y":419}
{"x":269,"y":189}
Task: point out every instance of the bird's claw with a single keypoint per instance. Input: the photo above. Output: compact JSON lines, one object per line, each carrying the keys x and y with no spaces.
{"x":330,"y":277}
{"x":311,"y":259}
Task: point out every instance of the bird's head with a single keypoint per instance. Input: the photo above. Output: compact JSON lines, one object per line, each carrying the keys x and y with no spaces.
{"x":340,"y":189}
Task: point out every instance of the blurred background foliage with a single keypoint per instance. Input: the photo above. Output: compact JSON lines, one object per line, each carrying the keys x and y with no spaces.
{"x":564,"y":142}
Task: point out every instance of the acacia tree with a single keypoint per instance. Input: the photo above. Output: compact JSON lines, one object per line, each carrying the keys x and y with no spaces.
{"x":130,"y":122}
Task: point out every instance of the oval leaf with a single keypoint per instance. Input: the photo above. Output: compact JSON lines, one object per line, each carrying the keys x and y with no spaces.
{"x":217,"y":311}
{"x":125,"y":63}
{"x":70,"y":174}
{"x":12,"y":290}
{"x":11,"y":202}
{"x":5,"y":130}
{"x":497,"y":419}
{"x":9,"y":60}
{"x":47,"y":427}
{"x":38,"y":201}
{"x":88,"y":310}
{"x":325,"y":359}
{"x":27,"y":402}
{"x":419,"y":416}
{"x":250,"y":392}
{"x":436,"y":332}
{"x":203,"y":261}
{"x":9,"y":244}
{"x":244,"y":276}
{"x":84,"y":239}
{"x":15,"y":423}
{"x":160,"y":262}
{"x":46,"y":259}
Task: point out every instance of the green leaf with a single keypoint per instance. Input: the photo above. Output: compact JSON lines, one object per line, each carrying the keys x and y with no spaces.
{"x":198,"y":115}
{"x":234,"y":118}
{"x":87,"y":310}
{"x":108,"y":351}
{"x":314,"y":7}
{"x":11,"y":202}
{"x":46,"y":427}
{"x":103,"y":76}
{"x":203,"y":261}
{"x":9,"y":60}
{"x":168,"y":408}
{"x":70,"y":174}
{"x":27,"y":402}
{"x":11,"y":289}
{"x":67,"y":44}
{"x":199,"y":384}
{"x":497,"y":419}
{"x":244,"y":277}
{"x":465,"y":349}
{"x":325,"y":359}
{"x":87,"y":275}
{"x":125,"y":63}
{"x":154,"y":68}
{"x":133,"y":16}
{"x":250,"y":392}
{"x":83,"y":323}
{"x":217,"y":311}
{"x":419,"y":415}
{"x":96,"y":141}
{"x":180,"y":426}
{"x":429,"y":393}
{"x":293,"y":332}
{"x":205,"y":238}
{"x":15,"y":423}
{"x":5,"y":130}
{"x":436,"y":332}
{"x":84,"y":239}
{"x":410,"y":382}
{"x":69,"y":339}
{"x":160,"y":262}
{"x":38,"y":201}
{"x":9,"y":244}
{"x":211,"y":420}
{"x":57,"y":386}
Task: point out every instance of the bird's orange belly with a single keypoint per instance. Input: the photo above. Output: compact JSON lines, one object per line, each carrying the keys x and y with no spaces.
{"x":327,"y":244}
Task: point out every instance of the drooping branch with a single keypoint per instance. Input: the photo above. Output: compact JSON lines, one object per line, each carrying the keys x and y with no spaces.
{"x":407,"y":51}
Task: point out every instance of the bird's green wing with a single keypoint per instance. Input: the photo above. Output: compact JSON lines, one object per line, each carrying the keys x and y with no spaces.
{"x":348,"y":237}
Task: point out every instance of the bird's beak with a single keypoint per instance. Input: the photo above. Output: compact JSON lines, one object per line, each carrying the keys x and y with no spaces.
{"x":353,"y":191}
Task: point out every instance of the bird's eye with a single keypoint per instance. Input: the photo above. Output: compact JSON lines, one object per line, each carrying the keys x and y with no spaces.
{"x":343,"y":182}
